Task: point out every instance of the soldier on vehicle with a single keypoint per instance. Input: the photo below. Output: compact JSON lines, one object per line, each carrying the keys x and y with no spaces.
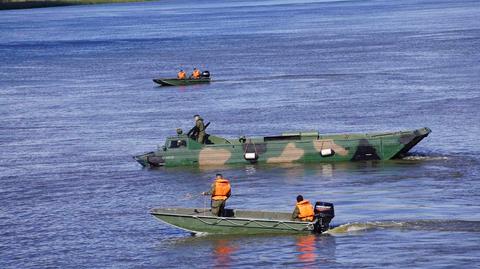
{"x":303,"y":210}
{"x":200,"y":129}
{"x":220,"y":192}
{"x":196,"y":74}
{"x":181,"y":75}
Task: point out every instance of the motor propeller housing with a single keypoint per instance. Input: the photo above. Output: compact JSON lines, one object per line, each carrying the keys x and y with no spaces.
{"x":324,"y":213}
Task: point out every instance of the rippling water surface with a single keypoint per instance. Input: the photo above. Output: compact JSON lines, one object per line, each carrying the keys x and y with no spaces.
{"x":77,"y":101}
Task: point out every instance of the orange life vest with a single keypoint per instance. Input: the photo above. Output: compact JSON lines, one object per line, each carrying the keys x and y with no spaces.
{"x":196,"y":74}
{"x":222,"y":188}
{"x":306,"y":210}
{"x":181,"y":75}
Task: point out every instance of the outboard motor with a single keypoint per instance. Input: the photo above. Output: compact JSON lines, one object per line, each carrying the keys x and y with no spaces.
{"x":324,"y":213}
{"x":205,"y":74}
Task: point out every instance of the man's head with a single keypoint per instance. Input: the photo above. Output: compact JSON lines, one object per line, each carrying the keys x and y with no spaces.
{"x":218,"y":176}
{"x":299,"y":198}
{"x":196,"y":117}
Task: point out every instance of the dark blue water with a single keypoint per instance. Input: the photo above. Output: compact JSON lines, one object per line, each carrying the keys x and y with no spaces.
{"x":77,"y":101}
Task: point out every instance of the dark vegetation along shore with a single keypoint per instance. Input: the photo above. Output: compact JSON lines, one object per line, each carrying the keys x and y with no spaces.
{"x":18,"y":4}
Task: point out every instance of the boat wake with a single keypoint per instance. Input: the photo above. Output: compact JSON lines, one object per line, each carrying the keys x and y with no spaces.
{"x":424,"y":157}
{"x":303,"y":77}
{"x":430,"y":225}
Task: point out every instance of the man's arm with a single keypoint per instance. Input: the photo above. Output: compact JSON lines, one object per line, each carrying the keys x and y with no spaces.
{"x":295,"y":213}
{"x":212,"y":190}
{"x":229,"y":193}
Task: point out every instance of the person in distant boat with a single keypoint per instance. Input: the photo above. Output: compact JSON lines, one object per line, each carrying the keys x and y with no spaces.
{"x":303,"y":210}
{"x":196,"y":74}
{"x":220,"y":192}
{"x":181,"y":75}
{"x":200,"y":129}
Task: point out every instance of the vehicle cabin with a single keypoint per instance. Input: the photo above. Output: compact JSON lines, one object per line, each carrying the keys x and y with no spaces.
{"x":182,"y":141}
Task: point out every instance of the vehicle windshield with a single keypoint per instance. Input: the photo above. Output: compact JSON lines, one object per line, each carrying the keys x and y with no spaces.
{"x":174,"y":144}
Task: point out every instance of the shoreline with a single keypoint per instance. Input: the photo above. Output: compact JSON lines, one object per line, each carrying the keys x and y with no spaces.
{"x":27,"y":4}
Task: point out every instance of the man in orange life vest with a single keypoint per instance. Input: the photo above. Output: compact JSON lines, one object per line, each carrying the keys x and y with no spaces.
{"x":303,"y":210}
{"x":181,"y":75}
{"x":220,"y":191}
{"x":196,"y":74}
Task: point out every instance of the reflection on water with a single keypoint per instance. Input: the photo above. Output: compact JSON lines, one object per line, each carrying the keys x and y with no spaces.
{"x":327,"y":170}
{"x":223,"y":250}
{"x":231,"y":251}
{"x":250,"y":169}
{"x":296,"y":170}
{"x":306,"y":248}
{"x":312,"y":250}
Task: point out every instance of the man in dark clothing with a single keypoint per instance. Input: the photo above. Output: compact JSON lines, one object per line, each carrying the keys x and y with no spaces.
{"x":200,"y":128}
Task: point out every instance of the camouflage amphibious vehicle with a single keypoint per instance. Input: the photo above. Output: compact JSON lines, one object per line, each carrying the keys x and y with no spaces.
{"x":291,"y":147}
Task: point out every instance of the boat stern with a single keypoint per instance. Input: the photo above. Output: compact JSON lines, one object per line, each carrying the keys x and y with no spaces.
{"x":324,"y":213}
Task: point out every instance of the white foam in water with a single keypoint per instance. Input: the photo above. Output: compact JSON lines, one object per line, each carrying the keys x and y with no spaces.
{"x":425,"y":158}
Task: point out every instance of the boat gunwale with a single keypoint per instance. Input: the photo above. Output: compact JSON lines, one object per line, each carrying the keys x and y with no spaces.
{"x":321,"y":138}
{"x":233,"y":218}
{"x":173,"y":81}
{"x":281,"y":142}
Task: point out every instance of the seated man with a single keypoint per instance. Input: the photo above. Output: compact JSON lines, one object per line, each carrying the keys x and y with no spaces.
{"x":220,"y":192}
{"x":181,"y":75}
{"x":181,"y":143}
{"x":196,"y":74}
{"x":303,"y":210}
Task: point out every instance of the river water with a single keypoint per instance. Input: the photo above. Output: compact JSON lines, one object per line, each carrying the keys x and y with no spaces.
{"x":77,"y":101}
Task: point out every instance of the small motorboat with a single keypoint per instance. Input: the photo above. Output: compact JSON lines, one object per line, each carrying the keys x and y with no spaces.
{"x":245,"y":222}
{"x":205,"y":78}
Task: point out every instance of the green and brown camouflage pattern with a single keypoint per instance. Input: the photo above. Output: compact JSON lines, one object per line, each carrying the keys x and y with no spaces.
{"x":291,"y":147}
{"x":180,"y":82}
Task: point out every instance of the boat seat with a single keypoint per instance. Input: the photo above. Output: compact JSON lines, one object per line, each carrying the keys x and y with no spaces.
{"x":229,"y":213}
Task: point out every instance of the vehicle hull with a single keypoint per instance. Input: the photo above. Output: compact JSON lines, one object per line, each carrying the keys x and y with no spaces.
{"x":180,"y":82}
{"x":296,"y":147}
{"x":238,"y":222}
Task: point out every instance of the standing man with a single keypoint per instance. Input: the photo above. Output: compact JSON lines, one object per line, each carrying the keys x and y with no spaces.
{"x":220,"y":192}
{"x":303,"y":210}
{"x":181,"y":75}
{"x":200,"y":128}
{"x":196,"y":74}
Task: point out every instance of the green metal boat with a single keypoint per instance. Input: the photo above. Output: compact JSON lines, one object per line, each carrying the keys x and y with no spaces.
{"x":180,"y":82}
{"x":244,"y":222}
{"x":291,"y":147}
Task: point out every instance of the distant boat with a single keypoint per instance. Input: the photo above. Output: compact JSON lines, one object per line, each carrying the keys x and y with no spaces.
{"x":180,"y":82}
{"x":205,"y":78}
{"x":245,"y":222}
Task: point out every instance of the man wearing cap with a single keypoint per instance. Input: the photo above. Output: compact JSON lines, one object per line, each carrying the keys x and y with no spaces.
{"x":220,"y":192}
{"x":303,"y":210}
{"x":200,"y":128}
